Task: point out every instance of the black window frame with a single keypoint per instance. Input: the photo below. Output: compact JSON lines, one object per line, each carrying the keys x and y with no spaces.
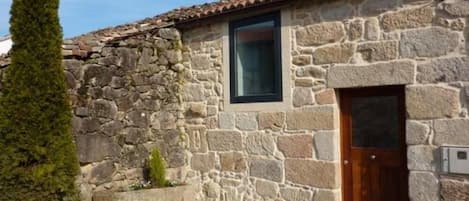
{"x":278,"y":88}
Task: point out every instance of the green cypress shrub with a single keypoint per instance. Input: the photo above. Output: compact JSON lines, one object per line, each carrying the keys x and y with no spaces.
{"x":38,"y":159}
{"x":157,"y":169}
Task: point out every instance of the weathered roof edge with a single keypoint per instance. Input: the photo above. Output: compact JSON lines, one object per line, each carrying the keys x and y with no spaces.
{"x":85,"y":44}
{"x":172,"y":18}
{"x":4,"y":38}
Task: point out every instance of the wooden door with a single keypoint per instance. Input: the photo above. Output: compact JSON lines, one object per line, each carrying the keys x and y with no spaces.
{"x":374,"y":160}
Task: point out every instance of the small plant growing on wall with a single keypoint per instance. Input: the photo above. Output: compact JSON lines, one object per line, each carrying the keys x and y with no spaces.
{"x":157,"y":170}
{"x":156,"y":174}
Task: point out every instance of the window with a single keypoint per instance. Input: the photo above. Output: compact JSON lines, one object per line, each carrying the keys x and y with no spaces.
{"x":255,"y":59}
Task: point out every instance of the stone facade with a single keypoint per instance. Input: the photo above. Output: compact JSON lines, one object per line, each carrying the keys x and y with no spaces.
{"x":294,"y":154}
{"x":160,"y":89}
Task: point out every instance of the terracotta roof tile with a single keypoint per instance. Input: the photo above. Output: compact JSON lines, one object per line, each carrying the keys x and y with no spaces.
{"x":179,"y":15}
{"x":208,"y":9}
{"x":75,"y":46}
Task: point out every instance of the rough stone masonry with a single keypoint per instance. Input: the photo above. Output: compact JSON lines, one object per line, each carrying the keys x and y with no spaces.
{"x":165,"y":88}
{"x":294,"y":154}
{"x":126,"y":100}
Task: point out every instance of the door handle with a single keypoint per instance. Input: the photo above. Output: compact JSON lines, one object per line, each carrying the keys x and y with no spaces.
{"x":346,"y":162}
{"x":373,"y":157}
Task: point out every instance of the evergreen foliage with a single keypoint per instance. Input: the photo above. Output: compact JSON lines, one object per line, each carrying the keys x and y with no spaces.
{"x":157,"y":169}
{"x":37,"y":154}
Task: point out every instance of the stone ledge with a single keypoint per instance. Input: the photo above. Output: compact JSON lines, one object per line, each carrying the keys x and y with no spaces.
{"x":179,"y":193}
{"x":392,"y":73}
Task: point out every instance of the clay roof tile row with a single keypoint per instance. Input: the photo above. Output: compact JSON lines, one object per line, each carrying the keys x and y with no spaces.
{"x":74,"y":46}
{"x":208,"y":9}
{"x":178,"y":15}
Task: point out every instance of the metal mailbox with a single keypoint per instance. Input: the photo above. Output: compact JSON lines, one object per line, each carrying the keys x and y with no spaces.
{"x":455,"y":160}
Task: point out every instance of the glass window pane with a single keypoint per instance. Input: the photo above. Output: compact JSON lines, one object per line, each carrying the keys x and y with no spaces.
{"x":255,"y":55}
{"x":375,"y":122}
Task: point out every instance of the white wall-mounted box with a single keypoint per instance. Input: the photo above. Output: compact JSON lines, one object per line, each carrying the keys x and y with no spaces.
{"x":455,"y":160}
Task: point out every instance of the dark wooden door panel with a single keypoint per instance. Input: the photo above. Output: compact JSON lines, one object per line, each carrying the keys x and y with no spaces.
{"x":360,"y":185}
{"x":386,"y":183}
{"x":373,"y":144}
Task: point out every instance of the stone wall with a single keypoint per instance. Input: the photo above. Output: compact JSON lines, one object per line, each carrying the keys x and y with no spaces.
{"x":294,"y":154}
{"x":126,"y":100}
{"x":147,"y":90}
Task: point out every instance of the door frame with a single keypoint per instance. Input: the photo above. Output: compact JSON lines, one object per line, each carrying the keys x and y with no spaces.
{"x":345,"y":132}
